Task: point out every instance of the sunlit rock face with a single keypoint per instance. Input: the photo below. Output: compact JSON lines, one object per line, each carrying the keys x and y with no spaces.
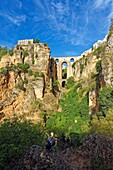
{"x":22,"y":91}
{"x":107,"y":62}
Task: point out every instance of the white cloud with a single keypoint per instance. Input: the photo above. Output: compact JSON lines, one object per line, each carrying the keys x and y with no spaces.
{"x":15,"y":19}
{"x":66,"y":24}
{"x":101,"y":3}
{"x":71,"y":53}
{"x":19,"y":4}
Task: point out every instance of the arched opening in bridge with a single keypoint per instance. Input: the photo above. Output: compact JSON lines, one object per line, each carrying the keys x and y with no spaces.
{"x":63,"y":83}
{"x":57,"y":60}
{"x":64,"y":70}
{"x":72,"y":60}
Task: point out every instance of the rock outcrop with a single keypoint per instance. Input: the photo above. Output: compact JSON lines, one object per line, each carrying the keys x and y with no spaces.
{"x":26,"y":79}
{"x":96,"y":152}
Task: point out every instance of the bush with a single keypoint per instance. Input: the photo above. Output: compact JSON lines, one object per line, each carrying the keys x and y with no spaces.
{"x":105,"y":99}
{"x":23,"y":67}
{"x":100,"y":50}
{"x":55,"y":85}
{"x":81,"y":68}
{"x":98,"y":66}
{"x":3,"y":51}
{"x":74,"y":117}
{"x":25,"y":53}
{"x":11,"y":52}
{"x":70,"y":82}
{"x":30,"y":72}
{"x":21,"y":86}
{"x":73,"y":65}
{"x":38,"y":74}
{"x":15,"y":138}
{"x":3,"y":71}
{"x":25,"y":81}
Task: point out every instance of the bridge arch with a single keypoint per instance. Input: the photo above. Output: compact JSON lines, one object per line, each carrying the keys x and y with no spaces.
{"x":60,"y":61}
{"x":63,"y":83}
{"x":64,"y":70}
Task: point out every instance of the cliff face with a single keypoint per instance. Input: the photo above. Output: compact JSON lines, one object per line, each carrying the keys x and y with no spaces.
{"x":25,"y":81}
{"x":95,"y":70}
{"x":107,"y":62}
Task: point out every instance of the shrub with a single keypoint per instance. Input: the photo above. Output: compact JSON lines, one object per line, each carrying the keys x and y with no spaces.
{"x":105,"y":99}
{"x":98,"y":66}
{"x":70,"y":82}
{"x":81,"y":68}
{"x":3,"y":51}
{"x":36,"y":74}
{"x":23,"y":67}
{"x":30,"y":72}
{"x":74,"y":116}
{"x":25,"y":53}
{"x":3,"y":71}
{"x":25,"y":81}
{"x":15,"y":138}
{"x":73,"y":65}
{"x":11,"y":52}
{"x":100,"y":50}
{"x":55,"y":85}
{"x":21,"y":86}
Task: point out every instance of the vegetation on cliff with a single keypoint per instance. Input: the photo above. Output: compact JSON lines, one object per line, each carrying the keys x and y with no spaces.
{"x":74,"y":117}
{"x":3,"y":51}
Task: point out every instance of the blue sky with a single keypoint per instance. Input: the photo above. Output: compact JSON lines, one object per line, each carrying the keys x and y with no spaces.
{"x":69,"y":27}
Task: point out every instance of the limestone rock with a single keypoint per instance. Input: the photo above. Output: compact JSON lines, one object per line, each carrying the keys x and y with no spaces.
{"x":38,"y":158}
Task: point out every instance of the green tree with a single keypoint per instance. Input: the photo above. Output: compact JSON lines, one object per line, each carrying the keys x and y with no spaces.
{"x":105,"y":99}
{"x":98,"y":66}
{"x":36,"y":40}
{"x":70,"y":82}
{"x":15,"y":138}
{"x":3,"y":51}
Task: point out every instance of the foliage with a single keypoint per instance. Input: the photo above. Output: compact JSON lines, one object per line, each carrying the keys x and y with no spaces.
{"x":36,"y":40}
{"x":23,"y":67}
{"x":11,"y":52}
{"x":15,"y":138}
{"x":25,"y":81}
{"x":25,"y":53}
{"x":55,"y":85}
{"x":100,"y":50}
{"x":3,"y":71}
{"x":98,"y":66}
{"x":38,"y":74}
{"x":64,"y":73}
{"x":3,"y":51}
{"x":81,"y":68}
{"x":105,"y":99}
{"x":74,"y":117}
{"x":111,"y":30}
{"x":86,"y":60}
{"x":73,"y":65}
{"x":21,"y":86}
{"x":33,"y":61}
{"x":70,"y":82}
{"x":30,"y":72}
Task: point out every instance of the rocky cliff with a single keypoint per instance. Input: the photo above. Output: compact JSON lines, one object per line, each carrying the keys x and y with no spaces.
{"x":26,"y":79}
{"x":95,"y":69}
{"x":95,"y":153}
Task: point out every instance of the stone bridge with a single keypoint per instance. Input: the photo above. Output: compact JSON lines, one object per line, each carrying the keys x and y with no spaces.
{"x":64,"y":68}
